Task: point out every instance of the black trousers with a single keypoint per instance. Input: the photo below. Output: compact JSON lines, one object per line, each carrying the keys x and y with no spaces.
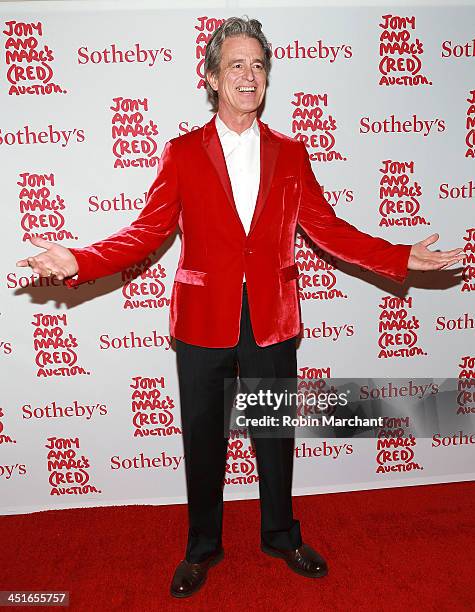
{"x":201,"y":373}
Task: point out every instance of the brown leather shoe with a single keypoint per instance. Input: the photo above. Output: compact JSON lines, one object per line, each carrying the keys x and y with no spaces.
{"x":304,"y":560}
{"x":189,"y":577}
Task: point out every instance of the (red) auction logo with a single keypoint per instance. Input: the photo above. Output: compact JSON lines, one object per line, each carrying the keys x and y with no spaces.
{"x":307,"y":375}
{"x":400,"y":62}
{"x":144,"y":287}
{"x":153,"y":413}
{"x":55,"y":350}
{"x":68,"y":471}
{"x":310,"y":382}
{"x":399,"y":198}
{"x":29,"y":65}
{"x":398,"y":332}
{"x":4,"y":438}
{"x":466,"y":386}
{"x":317,"y":278}
{"x":468,"y":274}
{"x":470,"y":125}
{"x":134,"y":143}
{"x":395,"y":449}
{"x":206,"y":27}
{"x":312,"y":126}
{"x":41,"y":211}
{"x":241,"y":468}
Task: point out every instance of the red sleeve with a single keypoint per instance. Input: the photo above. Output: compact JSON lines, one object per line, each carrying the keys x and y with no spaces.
{"x":318,"y":219}
{"x":156,"y":222}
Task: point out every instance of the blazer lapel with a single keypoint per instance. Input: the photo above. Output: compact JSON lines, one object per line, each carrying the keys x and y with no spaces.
{"x":269,"y":152}
{"x":215,"y":153}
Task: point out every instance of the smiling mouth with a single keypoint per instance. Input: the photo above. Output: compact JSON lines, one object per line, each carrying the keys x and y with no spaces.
{"x":246,"y":89}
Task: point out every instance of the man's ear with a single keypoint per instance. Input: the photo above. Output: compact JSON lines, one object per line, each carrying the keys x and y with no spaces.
{"x":212,"y":80}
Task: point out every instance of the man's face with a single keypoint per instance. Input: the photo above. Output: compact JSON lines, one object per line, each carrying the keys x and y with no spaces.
{"x":241,"y":82}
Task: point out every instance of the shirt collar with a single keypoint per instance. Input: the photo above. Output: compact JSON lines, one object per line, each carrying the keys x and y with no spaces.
{"x":224,"y":130}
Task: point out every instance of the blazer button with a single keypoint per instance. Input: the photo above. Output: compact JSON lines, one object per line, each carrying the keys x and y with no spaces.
{"x":248,"y":251}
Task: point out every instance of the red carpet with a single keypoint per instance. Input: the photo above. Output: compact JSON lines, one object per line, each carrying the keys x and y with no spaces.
{"x":394,"y":549}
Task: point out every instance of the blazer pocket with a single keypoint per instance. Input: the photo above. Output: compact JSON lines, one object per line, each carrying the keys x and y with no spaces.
{"x":289,"y":273}
{"x":191,"y":277}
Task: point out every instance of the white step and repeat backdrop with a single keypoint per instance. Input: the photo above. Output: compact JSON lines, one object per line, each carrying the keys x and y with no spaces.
{"x":385,"y":102}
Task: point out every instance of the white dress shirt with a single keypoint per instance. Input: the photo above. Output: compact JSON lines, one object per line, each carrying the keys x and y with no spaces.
{"x":243,"y":161}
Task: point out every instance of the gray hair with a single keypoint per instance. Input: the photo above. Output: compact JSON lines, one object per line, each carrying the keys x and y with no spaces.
{"x":234,"y":26}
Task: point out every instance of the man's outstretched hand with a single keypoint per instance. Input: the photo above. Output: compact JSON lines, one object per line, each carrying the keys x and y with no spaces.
{"x":56,"y":261}
{"x":421,"y":258}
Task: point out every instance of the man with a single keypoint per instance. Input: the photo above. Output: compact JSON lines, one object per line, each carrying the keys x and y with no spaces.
{"x":234,"y":300}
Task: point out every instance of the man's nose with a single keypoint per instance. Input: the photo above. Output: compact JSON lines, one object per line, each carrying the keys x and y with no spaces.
{"x":249,"y":73}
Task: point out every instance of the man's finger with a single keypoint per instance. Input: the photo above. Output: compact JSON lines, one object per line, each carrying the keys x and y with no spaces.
{"x":452,"y":252}
{"x":41,"y":242}
{"x":451,"y":263}
{"x":23,"y":263}
{"x":45,"y":272}
{"x":445,"y":257}
{"x":430,"y":240}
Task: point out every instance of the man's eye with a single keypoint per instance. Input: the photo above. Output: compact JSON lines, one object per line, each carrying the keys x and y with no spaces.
{"x":237,"y":65}
{"x":258,"y":66}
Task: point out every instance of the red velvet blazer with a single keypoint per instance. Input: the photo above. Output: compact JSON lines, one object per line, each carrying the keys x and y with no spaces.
{"x":192,"y":188}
